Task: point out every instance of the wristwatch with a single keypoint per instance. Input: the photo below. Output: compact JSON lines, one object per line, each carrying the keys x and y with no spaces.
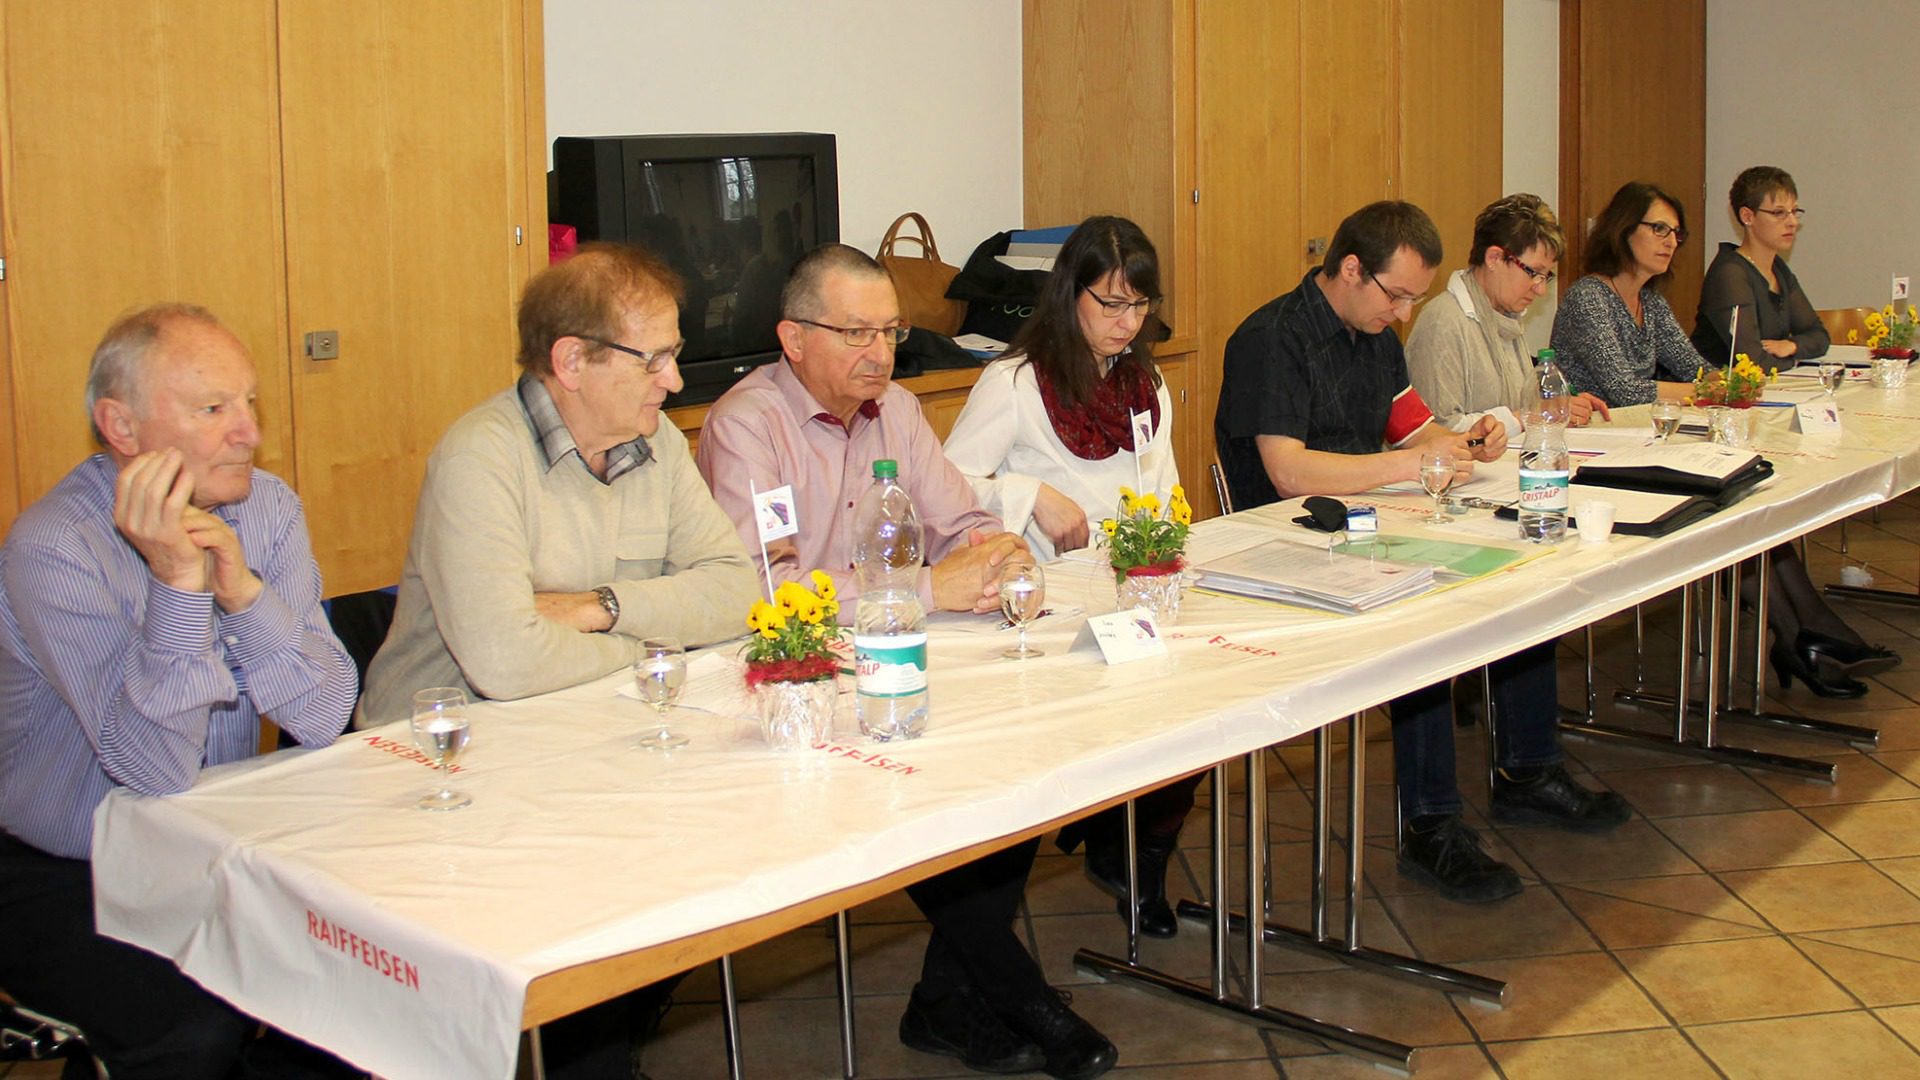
{"x":608,"y":603}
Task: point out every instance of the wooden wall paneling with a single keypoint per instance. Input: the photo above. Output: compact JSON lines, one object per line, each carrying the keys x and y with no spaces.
{"x":1633,"y":89}
{"x":1178,"y":371}
{"x":1102,"y":121}
{"x":10,"y":463}
{"x":405,"y":179}
{"x":141,"y":164}
{"x":1348,"y":96}
{"x":1450,"y":116}
{"x":1249,"y":81}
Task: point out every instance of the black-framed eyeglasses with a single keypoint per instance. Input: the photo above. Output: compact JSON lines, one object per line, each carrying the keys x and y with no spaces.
{"x":1114,"y":308}
{"x":859,"y":337}
{"x":653,"y":362}
{"x":1394,"y":298}
{"x":1661,"y":230}
{"x":1542,"y":278}
{"x":1778,"y":213}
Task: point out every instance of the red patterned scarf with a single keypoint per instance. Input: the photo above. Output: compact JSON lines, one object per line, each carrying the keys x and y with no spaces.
{"x":1098,"y":429}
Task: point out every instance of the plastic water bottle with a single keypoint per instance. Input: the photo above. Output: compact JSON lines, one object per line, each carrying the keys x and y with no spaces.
{"x":1543,"y":481}
{"x":1554,"y":391}
{"x":889,"y":625}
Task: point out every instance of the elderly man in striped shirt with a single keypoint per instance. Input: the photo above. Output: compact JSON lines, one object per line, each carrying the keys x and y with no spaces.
{"x":153,"y":606}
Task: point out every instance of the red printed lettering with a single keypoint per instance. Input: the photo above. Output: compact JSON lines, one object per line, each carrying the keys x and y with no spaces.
{"x":342,"y":940}
{"x":404,"y":751}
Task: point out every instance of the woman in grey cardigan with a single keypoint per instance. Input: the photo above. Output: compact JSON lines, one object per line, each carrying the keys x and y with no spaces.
{"x":1467,"y":355}
{"x":1777,"y":322}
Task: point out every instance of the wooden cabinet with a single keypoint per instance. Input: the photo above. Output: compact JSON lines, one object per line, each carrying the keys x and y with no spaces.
{"x":1237,"y":131}
{"x":373,"y":169}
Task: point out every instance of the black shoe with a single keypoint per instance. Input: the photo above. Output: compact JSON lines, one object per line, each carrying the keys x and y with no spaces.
{"x":962,"y":1025}
{"x":1804,"y":664}
{"x":1553,"y":798}
{"x":1854,"y":659}
{"x":1107,"y":868}
{"x":1447,"y":856}
{"x":1073,"y":1049}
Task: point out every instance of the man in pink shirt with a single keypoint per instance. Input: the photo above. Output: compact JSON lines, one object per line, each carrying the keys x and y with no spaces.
{"x":817,"y":420}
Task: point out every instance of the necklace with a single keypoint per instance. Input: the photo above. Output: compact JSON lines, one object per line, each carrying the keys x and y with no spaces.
{"x":1630,"y":300}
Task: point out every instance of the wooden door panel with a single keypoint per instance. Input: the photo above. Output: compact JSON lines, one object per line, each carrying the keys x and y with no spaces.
{"x":405,"y":177}
{"x":1633,"y":107}
{"x":148,"y":171}
{"x":1450,"y":116}
{"x":1250,"y":91}
{"x":1348,"y":96}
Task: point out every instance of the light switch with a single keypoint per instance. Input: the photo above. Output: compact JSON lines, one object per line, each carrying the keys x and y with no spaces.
{"x":323,"y":345}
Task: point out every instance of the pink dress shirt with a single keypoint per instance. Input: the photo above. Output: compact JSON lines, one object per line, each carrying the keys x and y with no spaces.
{"x":768,"y":431}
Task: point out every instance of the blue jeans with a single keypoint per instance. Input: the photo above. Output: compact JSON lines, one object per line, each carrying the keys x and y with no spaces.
{"x":1527,"y":705}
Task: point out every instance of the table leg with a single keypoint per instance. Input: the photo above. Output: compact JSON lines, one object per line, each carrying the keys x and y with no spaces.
{"x":730,"y":1017}
{"x":1132,"y":837}
{"x":843,"y":972}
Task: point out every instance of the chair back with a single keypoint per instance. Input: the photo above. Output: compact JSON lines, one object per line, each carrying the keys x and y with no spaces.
{"x":1840,"y":320}
{"x":1220,"y":486}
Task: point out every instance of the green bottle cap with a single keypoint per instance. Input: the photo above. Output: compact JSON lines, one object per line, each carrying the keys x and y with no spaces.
{"x":1546,"y":355}
{"x":886,"y":469}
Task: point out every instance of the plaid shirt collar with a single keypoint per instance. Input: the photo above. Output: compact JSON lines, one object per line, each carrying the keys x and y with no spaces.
{"x":556,"y":442}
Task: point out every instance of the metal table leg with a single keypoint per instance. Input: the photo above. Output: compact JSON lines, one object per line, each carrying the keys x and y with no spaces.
{"x":843,"y":972}
{"x":730,"y":1017}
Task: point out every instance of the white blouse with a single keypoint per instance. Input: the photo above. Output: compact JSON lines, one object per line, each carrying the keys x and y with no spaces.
{"x":1007,"y":448}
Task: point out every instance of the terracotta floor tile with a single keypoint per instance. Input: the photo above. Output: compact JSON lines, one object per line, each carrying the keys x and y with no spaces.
{"x":1881,"y":830}
{"x":1576,"y":994}
{"x":1837,"y":896}
{"x":1533,"y":923}
{"x":1712,"y":981}
{"x":1151,"y":1031}
{"x":1850,"y":1044}
{"x":1371,"y":1003}
{"x":1899,"y":729}
{"x":1635,"y":849}
{"x":1665,"y":1054}
{"x":1904,"y":871}
{"x":1861,"y":778}
{"x":1755,"y":838}
{"x":1904,"y":1020}
{"x":1690,"y":789}
{"x":1058,"y":885}
{"x":1258,"y":1069}
{"x":1881,"y":965}
{"x":1188,"y":955}
{"x":1430,"y":1063}
{"x":1641,"y":912}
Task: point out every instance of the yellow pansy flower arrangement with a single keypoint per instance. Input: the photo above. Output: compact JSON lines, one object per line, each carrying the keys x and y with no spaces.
{"x":1739,"y":385}
{"x":1144,"y":537}
{"x":1886,"y":330}
{"x":794,"y":633}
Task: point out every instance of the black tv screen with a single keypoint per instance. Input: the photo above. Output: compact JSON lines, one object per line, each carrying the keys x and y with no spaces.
{"x":730,"y":213}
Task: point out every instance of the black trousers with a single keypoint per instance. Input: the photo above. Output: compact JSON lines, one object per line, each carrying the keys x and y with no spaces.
{"x":142,"y":1017}
{"x":971,"y":908}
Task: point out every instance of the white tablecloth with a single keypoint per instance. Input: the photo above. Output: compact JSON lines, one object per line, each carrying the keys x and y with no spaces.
{"x":304,"y":889}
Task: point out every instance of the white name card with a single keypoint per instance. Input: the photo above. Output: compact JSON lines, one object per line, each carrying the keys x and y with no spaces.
{"x":1122,"y":636}
{"x":1818,"y":418}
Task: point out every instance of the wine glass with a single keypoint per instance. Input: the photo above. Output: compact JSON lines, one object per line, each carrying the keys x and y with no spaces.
{"x":1023,"y":588}
{"x":440,"y":731}
{"x":1436,"y":476}
{"x":660,"y":674}
{"x":1832,"y":374}
{"x":1666,"y":419}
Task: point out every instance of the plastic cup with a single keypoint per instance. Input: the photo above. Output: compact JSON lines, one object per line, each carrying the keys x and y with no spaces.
{"x":1594,"y":519}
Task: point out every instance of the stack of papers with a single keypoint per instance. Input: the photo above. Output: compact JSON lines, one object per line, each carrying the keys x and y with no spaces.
{"x":1314,"y":577}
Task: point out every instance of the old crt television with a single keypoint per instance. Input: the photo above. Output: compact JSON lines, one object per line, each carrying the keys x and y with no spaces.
{"x":730,"y":213}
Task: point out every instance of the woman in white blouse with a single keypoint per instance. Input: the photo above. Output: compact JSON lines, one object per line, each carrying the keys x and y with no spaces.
{"x":1048,"y":440}
{"x":1046,"y":436}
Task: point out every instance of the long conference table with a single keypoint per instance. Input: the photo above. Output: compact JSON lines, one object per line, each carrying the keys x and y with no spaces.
{"x":304,"y":888}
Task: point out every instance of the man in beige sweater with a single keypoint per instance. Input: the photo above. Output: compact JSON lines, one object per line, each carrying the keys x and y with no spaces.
{"x":561,"y":520}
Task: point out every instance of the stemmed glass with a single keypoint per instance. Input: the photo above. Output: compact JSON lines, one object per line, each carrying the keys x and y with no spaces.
{"x":440,"y":731}
{"x":1832,"y":374}
{"x":1666,"y":419}
{"x":1436,"y":476}
{"x":660,"y":674}
{"x":1023,"y":588}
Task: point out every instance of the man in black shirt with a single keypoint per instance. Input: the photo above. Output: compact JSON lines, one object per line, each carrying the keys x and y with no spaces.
{"x":1315,"y":400}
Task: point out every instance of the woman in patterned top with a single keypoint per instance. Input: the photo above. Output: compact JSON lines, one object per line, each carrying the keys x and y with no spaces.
{"x":1615,"y":335}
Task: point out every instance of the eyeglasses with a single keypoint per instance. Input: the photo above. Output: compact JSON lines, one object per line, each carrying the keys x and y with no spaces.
{"x":652,"y":362}
{"x":1113,"y":309}
{"x":1661,"y":230}
{"x":859,"y":337}
{"x":1538,"y":277}
{"x":1394,"y":298}
{"x":1779,"y":214}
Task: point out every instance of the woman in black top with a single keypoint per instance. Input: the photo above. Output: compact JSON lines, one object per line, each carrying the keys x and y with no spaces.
{"x":1776,"y":320}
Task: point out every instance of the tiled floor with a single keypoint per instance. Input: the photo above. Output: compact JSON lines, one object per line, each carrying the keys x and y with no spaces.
{"x":1744,"y":924}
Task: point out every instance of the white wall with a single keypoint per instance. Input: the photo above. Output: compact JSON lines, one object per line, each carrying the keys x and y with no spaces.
{"x":923,"y":95}
{"x":1530,"y":124}
{"x":1805,"y":86}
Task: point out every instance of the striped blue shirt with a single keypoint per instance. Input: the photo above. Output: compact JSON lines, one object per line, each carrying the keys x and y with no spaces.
{"x":110,"y":678}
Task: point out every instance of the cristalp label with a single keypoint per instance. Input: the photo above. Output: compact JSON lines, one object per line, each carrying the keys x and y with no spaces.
{"x":340,"y":939}
{"x":403,"y":750}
